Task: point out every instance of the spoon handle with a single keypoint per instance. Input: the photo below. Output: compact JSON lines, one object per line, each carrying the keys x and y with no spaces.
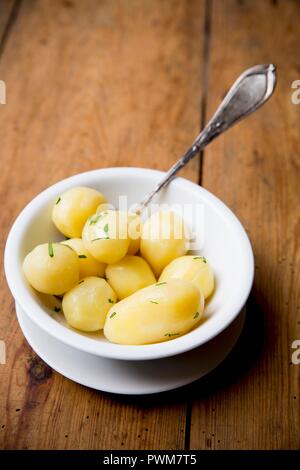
{"x":250,"y":91}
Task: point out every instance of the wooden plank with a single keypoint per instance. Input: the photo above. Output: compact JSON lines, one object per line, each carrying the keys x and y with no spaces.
{"x":6,"y":9}
{"x":252,"y":402}
{"x":90,"y":84}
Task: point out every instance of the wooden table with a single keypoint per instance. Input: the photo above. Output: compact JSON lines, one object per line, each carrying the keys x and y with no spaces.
{"x":101,"y":83}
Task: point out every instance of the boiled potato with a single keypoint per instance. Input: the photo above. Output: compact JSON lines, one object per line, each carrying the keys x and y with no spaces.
{"x":191,"y":268}
{"x":72,"y":209}
{"x":134,"y":232}
{"x":134,"y":229}
{"x":86,"y":305}
{"x":105,"y":236}
{"x":104,"y":206}
{"x":52,"y":268}
{"x":128,"y":275}
{"x":164,"y":238}
{"x":88,"y":265}
{"x":156,"y":313}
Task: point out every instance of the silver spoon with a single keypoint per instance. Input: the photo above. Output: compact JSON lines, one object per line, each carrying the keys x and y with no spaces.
{"x":250,"y":91}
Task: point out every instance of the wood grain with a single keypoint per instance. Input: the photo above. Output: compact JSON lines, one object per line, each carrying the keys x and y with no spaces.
{"x":6,"y":10}
{"x":90,"y":84}
{"x":108,"y":83}
{"x":252,"y":401}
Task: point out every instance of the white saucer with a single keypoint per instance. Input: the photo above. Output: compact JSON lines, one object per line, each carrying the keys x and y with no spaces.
{"x":130,"y":377}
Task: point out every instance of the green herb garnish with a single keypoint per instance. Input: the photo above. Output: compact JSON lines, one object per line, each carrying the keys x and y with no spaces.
{"x":57,"y":309}
{"x":105,"y":228}
{"x":50,"y":250}
{"x":110,"y":301}
{"x":82,"y":256}
{"x":58,"y":200}
{"x":196,"y":315}
{"x":112,"y":314}
{"x":172,"y":334}
{"x":94,"y":219}
{"x":201,"y":257}
{"x":153,"y":302}
{"x":160,"y":283}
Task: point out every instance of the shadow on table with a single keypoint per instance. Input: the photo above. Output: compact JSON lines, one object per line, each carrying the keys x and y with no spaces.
{"x":242,"y":358}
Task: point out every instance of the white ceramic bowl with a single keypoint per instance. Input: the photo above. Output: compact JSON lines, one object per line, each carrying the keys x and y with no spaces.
{"x":225,"y":245}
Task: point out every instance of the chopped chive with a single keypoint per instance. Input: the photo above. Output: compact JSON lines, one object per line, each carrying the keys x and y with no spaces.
{"x":100,"y":238}
{"x":196,"y":315}
{"x":160,"y":283}
{"x":94,"y":219}
{"x":112,"y":314}
{"x":80,"y":282}
{"x":172,"y":334}
{"x":110,"y":301}
{"x":153,"y":302}
{"x":82,"y":256}
{"x":105,"y":228}
{"x":201,"y":257}
{"x":58,"y":200}
{"x":57,"y":309}
{"x":50,"y":250}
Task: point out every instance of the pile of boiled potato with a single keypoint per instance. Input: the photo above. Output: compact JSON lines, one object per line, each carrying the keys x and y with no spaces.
{"x":102,"y":283}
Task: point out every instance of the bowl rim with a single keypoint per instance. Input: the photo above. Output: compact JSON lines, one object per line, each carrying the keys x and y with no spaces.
{"x":71,"y":337}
